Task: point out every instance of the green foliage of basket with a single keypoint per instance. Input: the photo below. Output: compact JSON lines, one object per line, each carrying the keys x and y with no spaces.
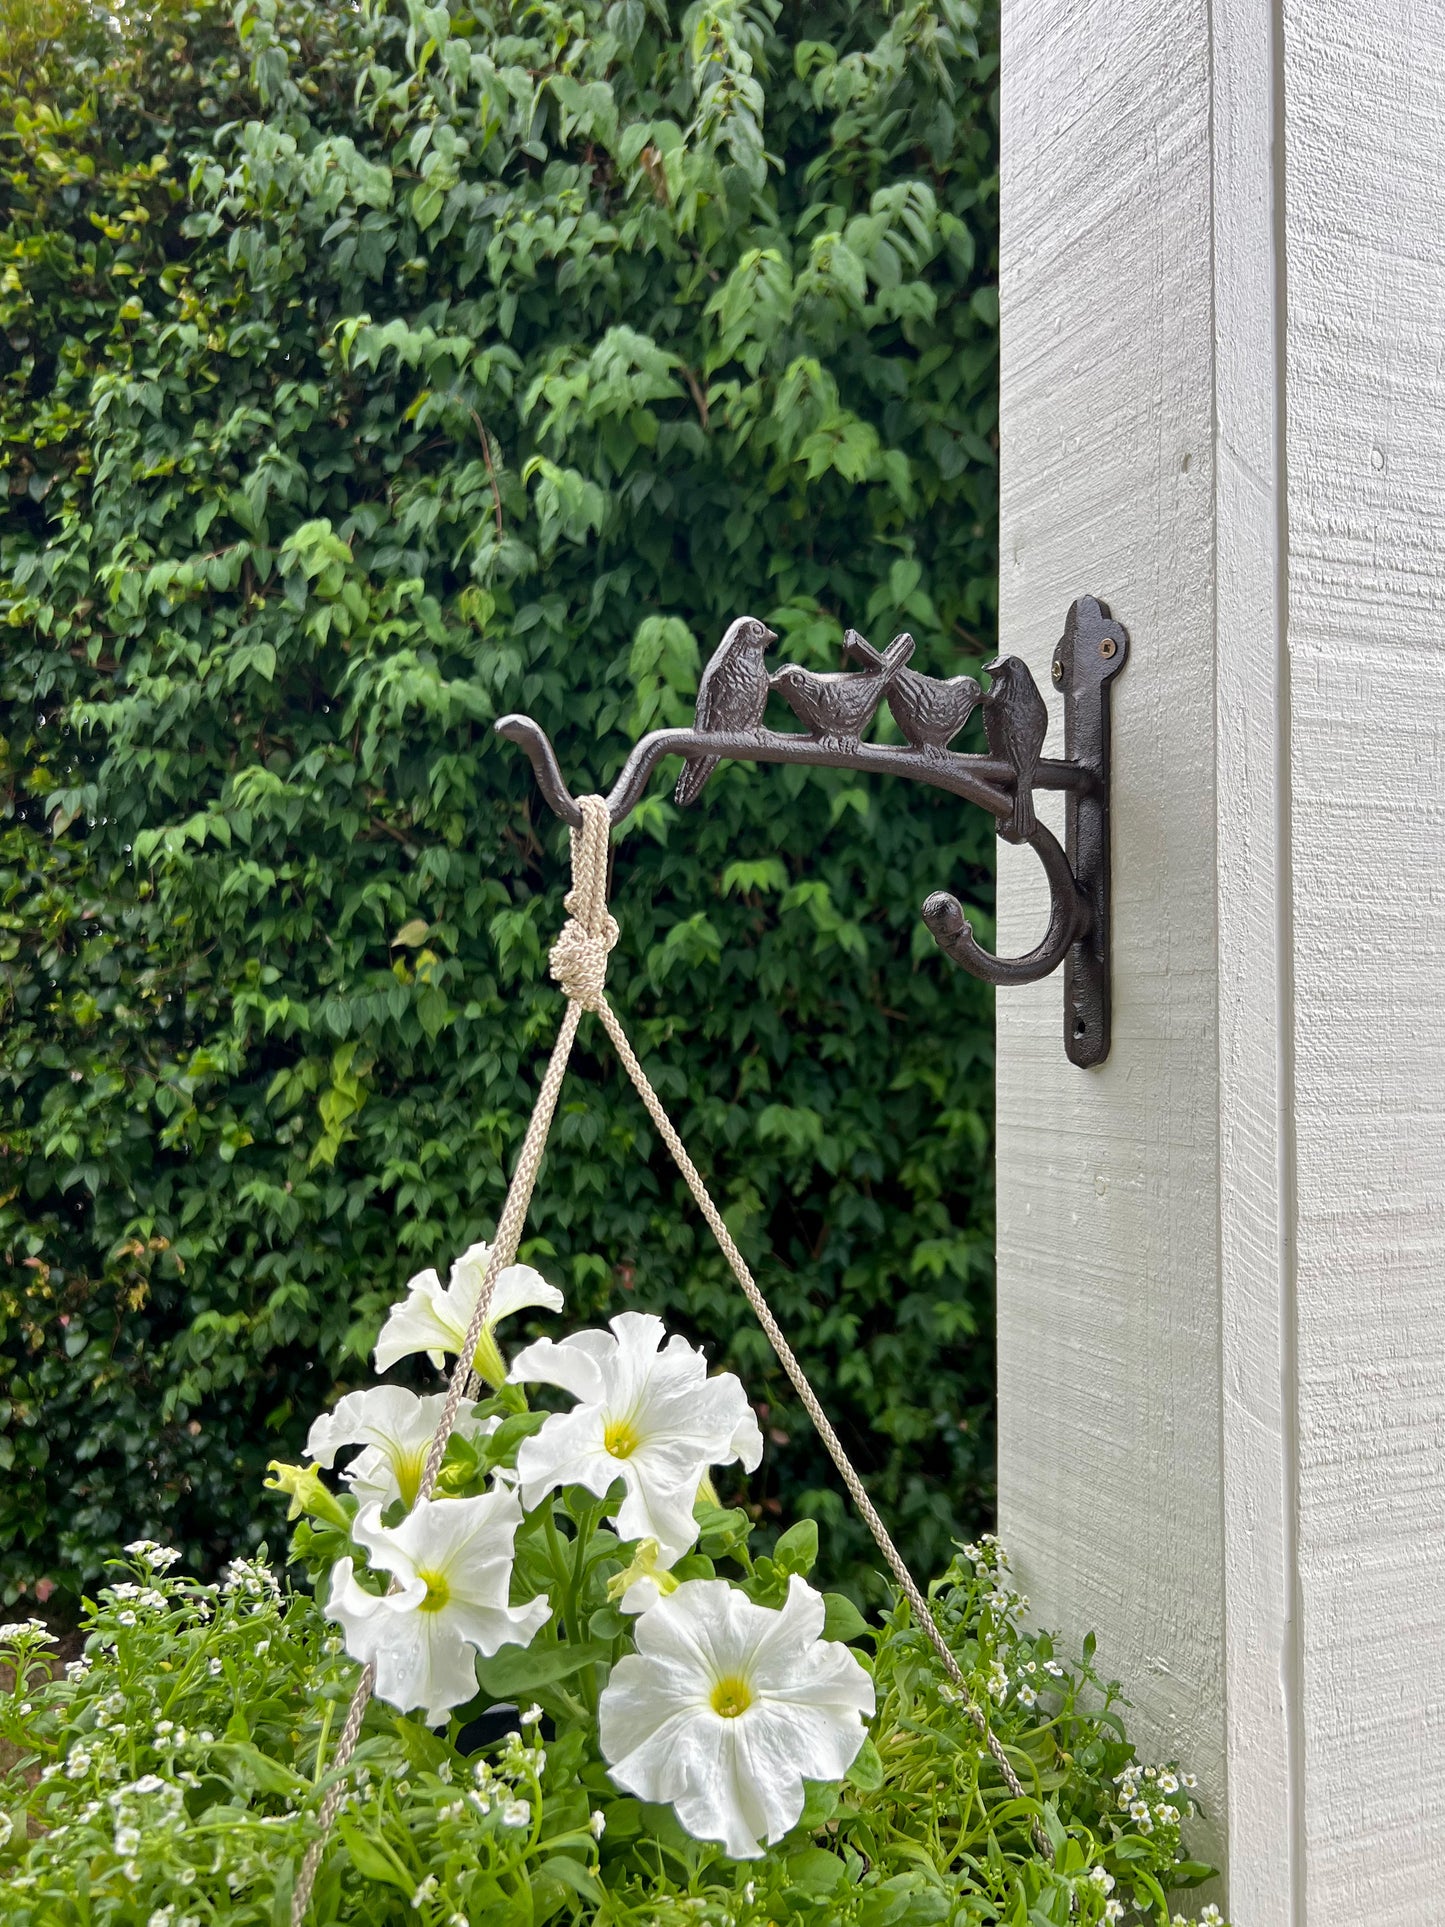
{"x":170,"y":1777}
{"x":366,"y":372}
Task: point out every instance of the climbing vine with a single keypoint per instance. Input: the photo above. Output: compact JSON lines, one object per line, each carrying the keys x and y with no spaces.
{"x":367,"y":372}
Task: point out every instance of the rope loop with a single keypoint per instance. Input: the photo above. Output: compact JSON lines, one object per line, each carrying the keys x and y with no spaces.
{"x":578,"y":959}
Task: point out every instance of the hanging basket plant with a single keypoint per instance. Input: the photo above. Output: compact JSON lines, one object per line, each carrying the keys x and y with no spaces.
{"x":580,"y":1696}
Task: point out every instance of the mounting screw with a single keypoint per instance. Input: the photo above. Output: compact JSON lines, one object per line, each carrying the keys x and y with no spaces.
{"x":1108,"y":648}
{"x":1058,"y":672}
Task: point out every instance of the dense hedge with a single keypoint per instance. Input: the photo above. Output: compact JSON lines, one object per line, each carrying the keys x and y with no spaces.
{"x":368,"y":371}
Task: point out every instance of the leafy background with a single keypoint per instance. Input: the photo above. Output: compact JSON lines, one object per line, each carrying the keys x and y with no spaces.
{"x":367,"y":372}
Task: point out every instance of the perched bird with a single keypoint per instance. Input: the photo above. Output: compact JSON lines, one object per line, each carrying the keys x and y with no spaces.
{"x":838,"y":706}
{"x":1015,"y":719}
{"x":929,"y":712}
{"x":731,"y":697}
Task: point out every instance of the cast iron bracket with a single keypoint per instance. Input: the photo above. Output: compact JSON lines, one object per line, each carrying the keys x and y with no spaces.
{"x":835,"y":709}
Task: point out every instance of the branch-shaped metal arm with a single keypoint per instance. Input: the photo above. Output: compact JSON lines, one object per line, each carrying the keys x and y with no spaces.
{"x":836,"y":707}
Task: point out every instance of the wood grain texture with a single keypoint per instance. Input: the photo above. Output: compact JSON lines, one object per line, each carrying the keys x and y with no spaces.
{"x":1222,"y":1257}
{"x":1365,"y":431}
{"x":1109,"y":1317}
{"x":1256,"y":1144}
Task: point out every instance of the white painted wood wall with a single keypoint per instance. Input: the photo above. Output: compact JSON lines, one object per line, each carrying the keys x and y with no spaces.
{"x":1222,"y":1256}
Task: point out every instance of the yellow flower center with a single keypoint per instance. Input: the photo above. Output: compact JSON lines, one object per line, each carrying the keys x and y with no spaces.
{"x":619,"y":1437}
{"x":731,"y":1697}
{"x":409,"y":1467}
{"x":438,"y":1592}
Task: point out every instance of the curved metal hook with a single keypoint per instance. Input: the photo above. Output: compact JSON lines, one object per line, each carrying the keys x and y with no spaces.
{"x":531,"y":737}
{"x":1069,"y":919}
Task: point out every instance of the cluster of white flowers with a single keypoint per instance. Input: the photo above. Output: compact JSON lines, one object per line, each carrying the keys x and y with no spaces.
{"x":250,"y":1579}
{"x":726,"y":1707}
{"x":26,"y":1632}
{"x":159,"y":1558}
{"x":1140,"y":1791}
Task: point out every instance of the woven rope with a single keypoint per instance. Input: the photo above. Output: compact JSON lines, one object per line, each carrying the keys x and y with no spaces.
{"x":578,"y":963}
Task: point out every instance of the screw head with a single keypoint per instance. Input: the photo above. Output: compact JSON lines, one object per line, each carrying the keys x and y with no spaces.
{"x":1058,"y":672}
{"x":1108,"y":648}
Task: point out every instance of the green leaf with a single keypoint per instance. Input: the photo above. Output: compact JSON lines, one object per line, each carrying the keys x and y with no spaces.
{"x":572,"y":1874}
{"x":371,"y":1861}
{"x":866,"y":1772}
{"x":841,"y":1618}
{"x":816,"y":1871}
{"x":797,"y":1548}
{"x":516,"y":1671}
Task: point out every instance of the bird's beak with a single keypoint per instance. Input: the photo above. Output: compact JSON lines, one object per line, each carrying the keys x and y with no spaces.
{"x":769,"y":635}
{"x":992,"y":668}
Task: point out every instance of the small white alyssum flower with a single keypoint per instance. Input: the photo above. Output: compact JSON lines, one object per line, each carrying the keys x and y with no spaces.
{"x":597,"y":1824}
{"x":396,"y":1428}
{"x":516,"y":1813}
{"x":727,"y":1707}
{"x":647,"y":1413}
{"x":159,"y":1558}
{"x":452,"y":1559}
{"x":33,"y":1632}
{"x":433,"y":1318}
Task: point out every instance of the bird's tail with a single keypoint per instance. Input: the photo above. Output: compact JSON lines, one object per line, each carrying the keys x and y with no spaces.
{"x":1022,"y":821}
{"x":859,"y":649}
{"x":896,"y":654}
{"x":695,"y":773}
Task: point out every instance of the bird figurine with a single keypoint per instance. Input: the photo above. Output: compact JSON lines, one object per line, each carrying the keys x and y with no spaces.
{"x":1015,"y":720}
{"x":731,"y":697}
{"x":837,"y":707}
{"x":930,"y":712}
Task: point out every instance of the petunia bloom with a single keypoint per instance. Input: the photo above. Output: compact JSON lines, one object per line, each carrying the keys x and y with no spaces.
{"x":452,"y":1563}
{"x":433,"y":1318}
{"x":647,"y":1414}
{"x":397,"y":1429}
{"x":727,"y":1707}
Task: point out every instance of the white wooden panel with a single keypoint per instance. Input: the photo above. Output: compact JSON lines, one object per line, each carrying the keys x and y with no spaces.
{"x":1365,"y":253}
{"x":1222,"y":1257}
{"x":1109,"y":1335}
{"x":1256,"y":1145}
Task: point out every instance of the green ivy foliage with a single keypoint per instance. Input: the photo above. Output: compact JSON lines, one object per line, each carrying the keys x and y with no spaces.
{"x":367,"y":372}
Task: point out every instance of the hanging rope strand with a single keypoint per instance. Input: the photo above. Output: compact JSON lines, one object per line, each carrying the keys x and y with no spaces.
{"x":581,"y":953}
{"x":787,"y":1358}
{"x":578,"y":962}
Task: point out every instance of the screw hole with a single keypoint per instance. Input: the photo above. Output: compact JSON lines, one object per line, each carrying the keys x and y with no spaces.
{"x":1080,"y":1027}
{"x":1108,"y":648}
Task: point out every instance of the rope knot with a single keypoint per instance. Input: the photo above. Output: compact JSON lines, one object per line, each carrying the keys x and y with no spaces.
{"x":578,"y":959}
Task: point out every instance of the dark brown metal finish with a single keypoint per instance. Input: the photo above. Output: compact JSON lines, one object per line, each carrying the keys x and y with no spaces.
{"x":835,"y":708}
{"x":1091,"y":652}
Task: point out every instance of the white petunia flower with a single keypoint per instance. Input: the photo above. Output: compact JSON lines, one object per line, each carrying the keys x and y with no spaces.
{"x":434,"y":1319}
{"x":647,"y":1414}
{"x":453,"y":1561}
{"x":397,"y":1429}
{"x":644,"y":1582}
{"x":727,"y":1707}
